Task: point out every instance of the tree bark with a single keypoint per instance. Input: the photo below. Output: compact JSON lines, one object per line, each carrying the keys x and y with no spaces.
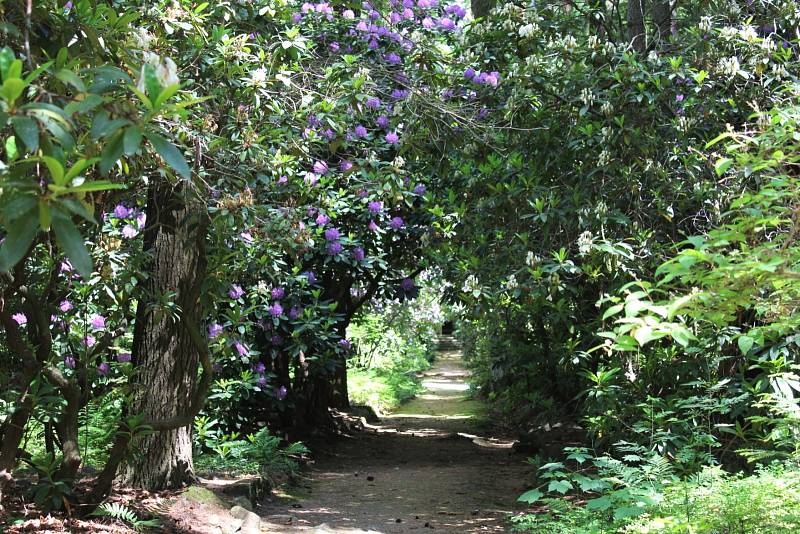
{"x":662,"y":19}
{"x":636,"y":29}
{"x":481,"y":8}
{"x":164,"y":353}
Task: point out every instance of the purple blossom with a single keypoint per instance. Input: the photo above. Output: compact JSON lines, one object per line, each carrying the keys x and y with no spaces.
{"x":348,"y":14}
{"x":310,"y":276}
{"x":276,"y":310}
{"x":372,"y":226}
{"x":360,"y":131}
{"x":247,"y":237}
{"x":447,"y":24}
{"x":65,"y":306}
{"x":332,"y":234}
{"x":362,"y":26}
{"x":278,"y":293}
{"x":122,"y":212}
{"x":395,"y":17}
{"x":345,"y":344}
{"x":276,"y":340}
{"x":373,"y":102}
{"x":129,"y":231}
{"x":335,"y":248}
{"x":397,"y":223}
{"x":419,"y":189}
{"x":408,"y":13}
{"x":345,"y":165}
{"x":260,"y":368}
{"x":235,"y":292}
{"x":214,"y":330}
{"x":69,"y":362}
{"x":283,"y":179}
{"x":358,"y":254}
{"x":679,"y":98}
{"x":281,"y":392}
{"x":400,"y":94}
{"x":311,"y":179}
{"x":392,"y":138}
{"x":141,"y":219}
{"x":322,"y":219}
{"x":124,"y":357}
{"x":407,"y":284}
{"x":320,"y":167}
{"x":103,"y":369}
{"x":362,"y":193}
{"x":428,"y":23}
{"x":241,"y":348}
{"x":375,"y":206}
{"x":393,"y":58}
{"x":65,"y":267}
{"x":383,"y":121}
{"x":294,"y":312}
{"x":262,"y":380}
{"x":97,"y":321}
{"x":89,"y":340}
{"x":20,"y":318}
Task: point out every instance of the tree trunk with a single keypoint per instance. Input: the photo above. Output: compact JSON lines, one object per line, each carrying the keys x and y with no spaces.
{"x":662,"y":18}
{"x":481,"y":8}
{"x":636,"y":30}
{"x":163,"y":352}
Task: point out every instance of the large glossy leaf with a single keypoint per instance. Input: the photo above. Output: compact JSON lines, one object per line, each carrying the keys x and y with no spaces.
{"x":20,"y":236}
{"x":170,"y":153}
{"x":72,"y":243}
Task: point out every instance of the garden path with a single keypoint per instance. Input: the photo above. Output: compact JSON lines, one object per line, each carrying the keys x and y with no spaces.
{"x":433,"y":465}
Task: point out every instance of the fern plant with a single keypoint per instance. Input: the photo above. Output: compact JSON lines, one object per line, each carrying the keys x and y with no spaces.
{"x":120,"y":512}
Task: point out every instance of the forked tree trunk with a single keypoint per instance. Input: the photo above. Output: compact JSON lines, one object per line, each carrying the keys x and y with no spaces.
{"x":163,"y":352}
{"x":663,"y":20}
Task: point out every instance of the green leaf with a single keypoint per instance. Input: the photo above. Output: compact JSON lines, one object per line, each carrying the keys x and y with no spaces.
{"x":601,"y":503}
{"x":97,"y":185}
{"x":613,"y":310}
{"x":70,"y":78}
{"x":170,"y":153}
{"x":55,"y":168}
{"x":12,"y":89}
{"x":6,"y":58}
{"x":44,"y":216}
{"x":531,"y":496}
{"x":561,"y":486}
{"x":28,"y":132}
{"x":80,"y":166}
{"x":21,"y":233}
{"x":722,"y":165}
{"x":72,"y":243}
{"x":165,"y":94}
{"x":11,"y":148}
{"x":745,"y":344}
{"x":111,"y":153}
{"x":625,"y":512}
{"x":132,"y":139}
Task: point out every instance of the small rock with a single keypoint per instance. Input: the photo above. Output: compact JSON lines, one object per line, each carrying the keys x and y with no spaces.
{"x":297,"y":505}
{"x":398,"y":520}
{"x":244,"y":502}
{"x":370,"y":478}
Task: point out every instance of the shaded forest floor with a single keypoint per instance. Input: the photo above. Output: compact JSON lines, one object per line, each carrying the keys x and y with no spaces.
{"x":433,"y":464}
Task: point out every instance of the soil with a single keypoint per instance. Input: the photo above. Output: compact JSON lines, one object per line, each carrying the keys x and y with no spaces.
{"x":432,"y":465}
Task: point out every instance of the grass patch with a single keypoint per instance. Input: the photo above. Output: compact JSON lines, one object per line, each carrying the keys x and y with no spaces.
{"x":381,"y":389}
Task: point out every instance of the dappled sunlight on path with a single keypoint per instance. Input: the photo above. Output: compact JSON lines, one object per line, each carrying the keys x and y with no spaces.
{"x":431,"y":465}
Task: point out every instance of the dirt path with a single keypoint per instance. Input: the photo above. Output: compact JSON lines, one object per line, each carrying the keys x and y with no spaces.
{"x":431,"y":465}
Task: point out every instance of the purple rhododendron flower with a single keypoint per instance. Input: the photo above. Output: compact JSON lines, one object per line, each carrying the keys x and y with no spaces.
{"x":311,"y":179}
{"x":260,"y":367}
{"x":395,"y":17}
{"x":345,"y":344}
{"x":97,"y":321}
{"x":124,"y":357}
{"x":129,"y":231}
{"x":428,"y":23}
{"x":103,"y":369}
{"x":141,"y":219}
{"x":276,"y":310}
{"x":277,"y":340}
{"x":400,"y":94}
{"x":383,"y":121}
{"x":419,"y":189}
{"x":20,"y":318}
{"x":358,"y":254}
{"x":247,"y":237}
{"x":348,"y":14}
{"x":392,"y":138}
{"x":320,"y":167}
{"x":89,"y":340}
{"x":360,"y":131}
{"x":393,"y":58}
{"x":235,"y":292}
{"x":122,"y":212}
{"x":311,"y":277}
{"x":278,"y":293}
{"x":69,"y":362}
{"x":262,"y":380}
{"x":372,"y":226}
{"x":407,"y":284}
{"x":322,"y":219}
{"x":281,"y":393}
{"x":335,"y":248}
{"x":241,"y":348}
{"x":375,"y":206}
{"x":469,"y":73}
{"x":447,"y":24}
{"x":332,"y":234}
{"x":283,"y":179}
{"x":294,"y":312}
{"x":65,"y":306}
{"x":214,"y":330}
{"x":373,"y":102}
{"x":397,"y":223}
{"x":345,"y":165}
